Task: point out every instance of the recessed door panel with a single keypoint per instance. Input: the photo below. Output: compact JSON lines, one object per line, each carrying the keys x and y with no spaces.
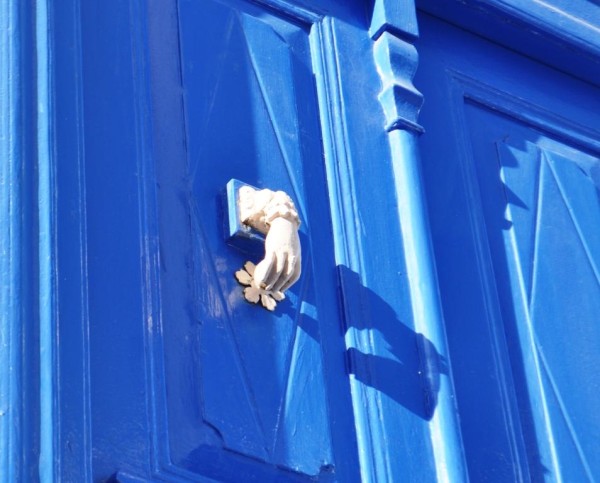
{"x":544,"y":238}
{"x":246,"y":389}
{"x":511,"y":164}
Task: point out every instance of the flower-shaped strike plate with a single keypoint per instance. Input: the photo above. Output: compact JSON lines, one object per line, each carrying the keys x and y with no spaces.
{"x":253,"y":292}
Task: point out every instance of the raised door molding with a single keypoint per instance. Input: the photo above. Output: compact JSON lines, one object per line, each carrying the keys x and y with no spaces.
{"x":21,"y":126}
{"x":394,"y":32}
{"x":560,"y":33}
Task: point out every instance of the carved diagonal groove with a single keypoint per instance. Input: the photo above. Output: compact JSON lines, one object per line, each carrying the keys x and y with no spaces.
{"x":576,"y":225}
{"x":541,"y":172}
{"x":212,"y":95}
{"x":272,"y":119}
{"x":297,"y":315}
{"x":563,"y":410}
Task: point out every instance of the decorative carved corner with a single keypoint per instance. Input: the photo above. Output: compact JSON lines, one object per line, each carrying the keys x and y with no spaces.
{"x":398,"y":17}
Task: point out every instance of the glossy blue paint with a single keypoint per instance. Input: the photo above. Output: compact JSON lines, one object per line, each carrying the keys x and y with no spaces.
{"x":19,"y":354}
{"x":270,"y":365}
{"x":378,"y":317}
{"x":45,"y":220}
{"x":396,"y":59}
{"x":396,"y":17}
{"x":140,"y":205}
{"x":511,"y":155}
{"x":427,"y":313}
{"x":560,"y":33}
{"x":71,"y":411}
{"x":161,"y":372}
{"x":10,"y":240}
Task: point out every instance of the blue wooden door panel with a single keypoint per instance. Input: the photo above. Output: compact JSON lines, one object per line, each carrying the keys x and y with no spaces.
{"x":251,"y":84}
{"x":511,"y":167}
{"x":244,"y":387}
{"x":164,"y":372}
{"x":550,"y":286}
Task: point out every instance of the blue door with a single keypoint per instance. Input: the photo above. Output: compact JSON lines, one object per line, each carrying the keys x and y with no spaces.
{"x":234,"y":391}
{"x":164,"y":371}
{"x":155,"y":367}
{"x":512,"y":162}
{"x":246,"y":391}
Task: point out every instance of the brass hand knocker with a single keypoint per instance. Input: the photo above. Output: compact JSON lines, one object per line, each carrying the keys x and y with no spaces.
{"x":273,"y":214}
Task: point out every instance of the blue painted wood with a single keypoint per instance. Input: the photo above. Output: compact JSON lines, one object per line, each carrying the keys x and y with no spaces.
{"x":257,"y":359}
{"x":378,"y":317}
{"x":72,"y":421}
{"x":19,"y":348}
{"x":47,"y":330}
{"x":347,"y":243}
{"x":396,"y":17}
{"x":396,"y":413}
{"x":99,"y":262}
{"x":397,"y":62}
{"x":560,"y":33}
{"x":144,"y":289}
{"x":162,"y":371}
{"x":427,"y":311}
{"x":509,"y":156}
{"x":553,"y":207}
{"x":559,"y":296}
{"x":10,"y":195}
{"x":117,"y":416}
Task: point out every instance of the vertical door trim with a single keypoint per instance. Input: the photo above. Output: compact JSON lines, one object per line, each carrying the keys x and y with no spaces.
{"x":45,"y":243}
{"x":12,"y":158}
{"x":394,"y":31}
{"x":19,"y":442}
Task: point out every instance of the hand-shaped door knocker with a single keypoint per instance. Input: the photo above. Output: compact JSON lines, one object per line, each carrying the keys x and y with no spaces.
{"x":273,"y":214}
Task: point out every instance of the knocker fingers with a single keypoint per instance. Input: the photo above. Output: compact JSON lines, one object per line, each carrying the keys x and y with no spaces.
{"x":294,"y":276}
{"x":265,"y":274}
{"x":287,"y":273}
